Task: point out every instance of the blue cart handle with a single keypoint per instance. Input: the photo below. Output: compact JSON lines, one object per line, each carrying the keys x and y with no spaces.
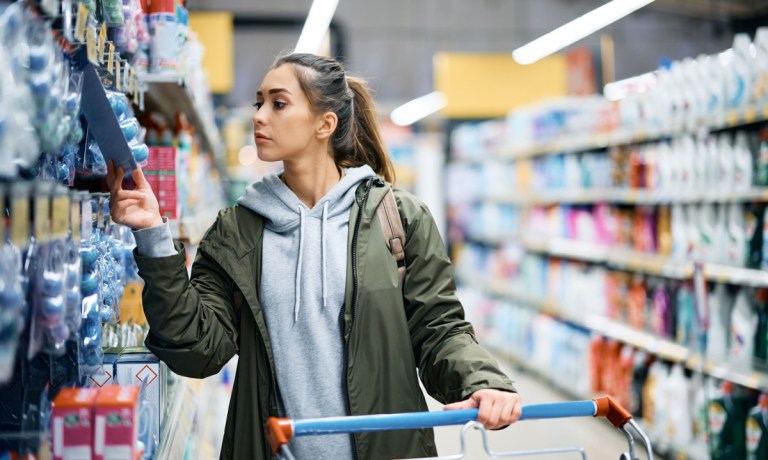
{"x":281,"y":430}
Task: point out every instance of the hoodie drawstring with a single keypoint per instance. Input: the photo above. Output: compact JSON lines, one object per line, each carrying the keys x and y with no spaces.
{"x":298,"y":266}
{"x":325,"y":223}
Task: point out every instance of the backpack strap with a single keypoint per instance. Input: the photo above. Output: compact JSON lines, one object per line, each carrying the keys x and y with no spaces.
{"x":394,"y":235}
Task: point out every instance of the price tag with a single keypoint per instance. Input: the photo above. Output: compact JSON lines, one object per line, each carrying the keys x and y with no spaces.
{"x":765,"y":112}
{"x":75,"y":217}
{"x":20,"y":221}
{"x":80,"y":22}
{"x":102,"y":42}
{"x":90,"y":43}
{"x":111,"y":58}
{"x":750,"y":116}
{"x":732,"y":118}
{"x":118,"y":75}
{"x":86,"y":218}
{"x":132,"y":87}
{"x":61,"y":216}
{"x":42,"y":225}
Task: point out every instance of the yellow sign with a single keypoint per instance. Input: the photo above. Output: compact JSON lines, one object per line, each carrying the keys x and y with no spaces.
{"x":131,"y":308}
{"x":489,"y":85}
{"x":102,"y":41}
{"x":215,"y":31}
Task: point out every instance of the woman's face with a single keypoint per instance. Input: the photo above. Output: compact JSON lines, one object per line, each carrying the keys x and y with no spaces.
{"x":284,"y":125}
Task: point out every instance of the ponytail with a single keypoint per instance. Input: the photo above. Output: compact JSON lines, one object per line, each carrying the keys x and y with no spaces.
{"x":357,"y":140}
{"x":368,"y":147}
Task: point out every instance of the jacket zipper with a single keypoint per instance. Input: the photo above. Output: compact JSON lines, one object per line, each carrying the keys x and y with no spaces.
{"x":348,"y":333}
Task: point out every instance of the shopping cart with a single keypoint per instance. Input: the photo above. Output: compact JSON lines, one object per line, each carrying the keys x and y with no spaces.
{"x":281,"y":430}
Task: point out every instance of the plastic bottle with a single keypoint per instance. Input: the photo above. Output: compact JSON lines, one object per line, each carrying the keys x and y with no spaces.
{"x":163,"y":43}
{"x":742,"y":73}
{"x":725,"y":163}
{"x":737,"y":238}
{"x":686,"y":316}
{"x":679,"y":417}
{"x":743,"y":328}
{"x":719,"y":324}
{"x":760,"y":93}
{"x":757,"y":430}
{"x":761,"y":166}
{"x":761,"y":334}
{"x":707,"y":224}
{"x":727,"y":420}
{"x":743,"y":164}
{"x":662,"y":313}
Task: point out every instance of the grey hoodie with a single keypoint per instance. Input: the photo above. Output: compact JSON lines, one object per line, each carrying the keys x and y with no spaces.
{"x":304,"y":266}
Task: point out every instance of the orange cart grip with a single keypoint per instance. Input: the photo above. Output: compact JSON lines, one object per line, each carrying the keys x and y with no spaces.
{"x":279,"y":432}
{"x":613,"y":411}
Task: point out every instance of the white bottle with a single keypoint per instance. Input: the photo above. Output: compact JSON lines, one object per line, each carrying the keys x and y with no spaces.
{"x":743,"y":164}
{"x":760,"y":93}
{"x":743,"y":72}
{"x":737,"y":238}
{"x":725,"y":163}
{"x":719,"y":243}
{"x":707,"y":222}
{"x":718,"y":329}
{"x":679,"y":419}
{"x":743,"y":327}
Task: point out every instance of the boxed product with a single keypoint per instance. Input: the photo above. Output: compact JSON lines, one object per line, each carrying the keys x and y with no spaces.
{"x":144,"y":371}
{"x":104,"y":375}
{"x":72,"y":420}
{"x":117,"y":427}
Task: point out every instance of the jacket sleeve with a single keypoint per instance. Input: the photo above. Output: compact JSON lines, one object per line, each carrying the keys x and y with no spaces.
{"x":193,"y":326}
{"x":452,"y":365}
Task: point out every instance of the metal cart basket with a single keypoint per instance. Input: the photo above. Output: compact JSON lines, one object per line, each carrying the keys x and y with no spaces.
{"x":281,"y":430}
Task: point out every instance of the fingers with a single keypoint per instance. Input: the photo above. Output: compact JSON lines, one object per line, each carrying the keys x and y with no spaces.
{"x":466,"y":404}
{"x":138,"y":177}
{"x":115,"y":178}
{"x":497,"y":409}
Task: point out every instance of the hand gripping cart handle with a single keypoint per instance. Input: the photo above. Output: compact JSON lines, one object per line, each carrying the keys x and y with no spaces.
{"x":281,"y":430}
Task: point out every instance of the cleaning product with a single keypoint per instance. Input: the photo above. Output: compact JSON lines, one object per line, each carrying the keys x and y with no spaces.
{"x":686,"y":316}
{"x":163,"y":45}
{"x":719,"y":324}
{"x":761,"y":162}
{"x":679,"y":428}
{"x":743,"y":328}
{"x":757,"y":430}
{"x":761,"y":334}
{"x":760,"y":93}
{"x":727,"y":421}
{"x":736,"y":240}
{"x":743,"y":164}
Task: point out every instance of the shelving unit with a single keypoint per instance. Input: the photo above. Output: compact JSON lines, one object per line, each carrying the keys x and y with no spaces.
{"x":731,"y":119}
{"x":627,"y":259}
{"x":168,"y":94}
{"x":615,"y":330}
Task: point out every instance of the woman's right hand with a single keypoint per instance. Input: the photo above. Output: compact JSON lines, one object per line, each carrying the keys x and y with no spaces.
{"x":138,"y":208}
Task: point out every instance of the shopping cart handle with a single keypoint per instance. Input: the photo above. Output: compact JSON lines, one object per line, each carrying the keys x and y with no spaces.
{"x":281,"y":430}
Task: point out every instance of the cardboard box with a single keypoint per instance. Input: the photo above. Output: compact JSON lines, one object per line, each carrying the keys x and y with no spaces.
{"x":72,"y":423}
{"x":116,"y":423}
{"x":144,"y":370}
{"x":105,"y":374}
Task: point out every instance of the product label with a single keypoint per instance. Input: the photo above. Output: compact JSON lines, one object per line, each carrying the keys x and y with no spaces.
{"x":20,"y":221}
{"x":61,"y":216}
{"x":717,"y":417}
{"x":118,"y":75}
{"x":42,"y":225}
{"x":90,"y":43}
{"x":102,"y":42}
{"x":754,"y":433}
{"x":74,"y":220}
{"x":111,"y":58}
{"x":80,"y":22}
{"x":86,"y":220}
{"x":132,"y":88}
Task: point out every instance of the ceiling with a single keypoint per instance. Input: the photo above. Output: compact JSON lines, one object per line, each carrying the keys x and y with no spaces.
{"x":392,"y":42}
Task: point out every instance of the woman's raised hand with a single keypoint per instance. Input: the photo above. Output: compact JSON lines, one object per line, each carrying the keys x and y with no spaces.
{"x":138,"y":208}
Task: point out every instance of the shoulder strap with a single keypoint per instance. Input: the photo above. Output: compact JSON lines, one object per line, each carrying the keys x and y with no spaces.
{"x":394,"y":235}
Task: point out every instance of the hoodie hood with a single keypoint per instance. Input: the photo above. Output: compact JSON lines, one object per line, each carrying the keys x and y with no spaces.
{"x":283,"y":212}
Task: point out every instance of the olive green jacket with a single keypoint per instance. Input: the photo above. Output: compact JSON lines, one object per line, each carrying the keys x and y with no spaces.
{"x":388,"y":332}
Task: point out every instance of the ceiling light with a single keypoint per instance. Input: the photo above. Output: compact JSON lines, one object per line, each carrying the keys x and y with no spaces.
{"x":415,"y":110}
{"x":576,"y":30}
{"x":316,"y":26}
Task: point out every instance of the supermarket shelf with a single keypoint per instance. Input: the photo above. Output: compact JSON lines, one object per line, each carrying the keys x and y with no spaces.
{"x":650,"y":264}
{"x":615,"y":330}
{"x":731,"y":119}
{"x":628,"y":196}
{"x":192,"y":229}
{"x":169,"y":95}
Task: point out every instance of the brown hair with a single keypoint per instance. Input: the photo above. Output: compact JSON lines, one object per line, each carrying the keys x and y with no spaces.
{"x":357,"y":140}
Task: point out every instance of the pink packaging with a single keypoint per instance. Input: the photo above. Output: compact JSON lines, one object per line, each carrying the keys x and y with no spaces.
{"x":72,"y":423}
{"x":116,"y":423}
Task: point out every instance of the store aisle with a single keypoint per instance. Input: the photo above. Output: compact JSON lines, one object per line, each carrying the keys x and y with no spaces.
{"x":596,"y":436}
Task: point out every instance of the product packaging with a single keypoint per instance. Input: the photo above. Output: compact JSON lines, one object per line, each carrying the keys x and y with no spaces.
{"x":145,"y":371}
{"x":163,"y":45}
{"x":757,"y":430}
{"x":72,"y":423}
{"x":727,"y":421}
{"x":116,"y":422}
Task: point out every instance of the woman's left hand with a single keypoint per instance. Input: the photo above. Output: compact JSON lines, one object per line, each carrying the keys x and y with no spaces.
{"x":496,"y":408}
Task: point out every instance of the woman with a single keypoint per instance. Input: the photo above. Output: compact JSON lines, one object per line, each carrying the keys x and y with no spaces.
{"x":296,"y":279}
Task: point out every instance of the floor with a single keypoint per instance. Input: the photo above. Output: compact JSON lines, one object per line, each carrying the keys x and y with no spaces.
{"x":599,"y":439}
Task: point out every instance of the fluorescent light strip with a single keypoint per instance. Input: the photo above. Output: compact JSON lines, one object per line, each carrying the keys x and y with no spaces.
{"x":576,"y":30}
{"x":415,"y":110}
{"x":319,"y":18}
